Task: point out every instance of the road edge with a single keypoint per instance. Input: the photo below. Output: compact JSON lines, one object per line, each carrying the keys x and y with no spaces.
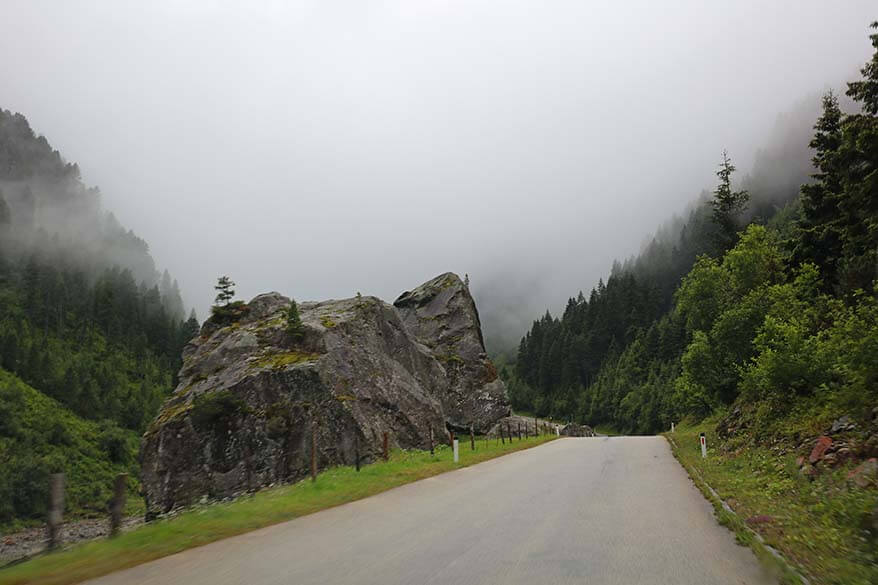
{"x":773,"y":559}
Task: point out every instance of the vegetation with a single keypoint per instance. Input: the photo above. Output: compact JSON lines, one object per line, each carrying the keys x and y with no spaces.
{"x":779,"y":314}
{"x":818,"y":524}
{"x":295,"y":329}
{"x":90,"y":333}
{"x":333,"y":487}
{"x":38,"y":436}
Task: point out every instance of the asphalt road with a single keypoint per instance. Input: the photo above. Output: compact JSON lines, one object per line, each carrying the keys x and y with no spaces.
{"x":616,"y":510}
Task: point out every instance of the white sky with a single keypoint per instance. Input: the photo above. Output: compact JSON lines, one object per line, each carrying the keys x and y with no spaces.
{"x":324,"y":148}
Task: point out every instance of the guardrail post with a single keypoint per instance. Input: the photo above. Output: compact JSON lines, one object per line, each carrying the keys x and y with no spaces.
{"x":56,"y":509}
{"x":117,"y":505}
{"x":313,"y":453}
{"x":703,"y":440}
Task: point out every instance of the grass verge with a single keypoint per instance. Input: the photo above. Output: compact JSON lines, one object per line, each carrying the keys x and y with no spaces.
{"x":203,"y":525}
{"x":816,"y":525}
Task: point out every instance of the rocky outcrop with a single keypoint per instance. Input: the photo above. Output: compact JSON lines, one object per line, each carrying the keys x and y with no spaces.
{"x":251,"y":397}
{"x":576,"y":430}
{"x":442,"y":315}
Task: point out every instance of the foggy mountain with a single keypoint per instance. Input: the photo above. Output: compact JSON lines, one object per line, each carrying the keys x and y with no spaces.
{"x":320,"y":151}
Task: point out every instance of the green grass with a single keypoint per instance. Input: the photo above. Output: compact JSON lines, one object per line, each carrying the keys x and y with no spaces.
{"x":817,"y":525}
{"x":214,"y":522}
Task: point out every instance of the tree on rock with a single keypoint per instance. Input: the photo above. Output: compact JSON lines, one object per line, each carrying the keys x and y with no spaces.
{"x":727,"y":205}
{"x":225,"y":290}
{"x":295,"y":329}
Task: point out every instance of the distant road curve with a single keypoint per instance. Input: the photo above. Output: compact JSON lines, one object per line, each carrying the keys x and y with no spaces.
{"x":599,"y":511}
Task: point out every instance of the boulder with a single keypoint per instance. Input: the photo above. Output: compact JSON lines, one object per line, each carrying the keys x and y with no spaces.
{"x":251,"y":398}
{"x":865,"y":474}
{"x":575,"y":430}
{"x":820,"y":447}
{"x":442,"y":315}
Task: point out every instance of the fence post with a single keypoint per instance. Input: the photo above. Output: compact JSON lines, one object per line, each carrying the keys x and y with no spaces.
{"x":703,"y":440}
{"x":313,"y":453}
{"x":120,"y":492}
{"x":519,"y":430}
{"x":451,"y":438}
{"x":386,"y":450}
{"x":456,"y":452}
{"x":56,"y":508}
{"x":357,"y":451}
{"x":500,"y":432}
{"x":431,"y":442}
{"x":472,"y":438}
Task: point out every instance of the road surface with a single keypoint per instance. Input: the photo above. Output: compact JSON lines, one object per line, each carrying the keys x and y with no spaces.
{"x":605,"y":510}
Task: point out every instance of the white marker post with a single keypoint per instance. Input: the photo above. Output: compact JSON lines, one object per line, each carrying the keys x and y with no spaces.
{"x":672,"y":426}
{"x":557,"y":431}
{"x":456,"y":453}
{"x":703,"y":446}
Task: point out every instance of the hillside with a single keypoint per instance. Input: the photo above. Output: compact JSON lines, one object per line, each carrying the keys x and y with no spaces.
{"x":89,"y":329}
{"x":38,"y":436}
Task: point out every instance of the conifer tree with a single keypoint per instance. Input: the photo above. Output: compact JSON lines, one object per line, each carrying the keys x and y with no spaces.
{"x":727,"y":204}
{"x":225,"y":290}
{"x":295,"y":329}
{"x":819,"y":229}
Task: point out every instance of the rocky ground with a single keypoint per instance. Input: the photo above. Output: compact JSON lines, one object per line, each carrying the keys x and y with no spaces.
{"x":27,"y":543}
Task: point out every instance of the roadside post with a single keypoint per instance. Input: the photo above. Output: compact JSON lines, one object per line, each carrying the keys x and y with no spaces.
{"x":117,"y":506}
{"x":386,"y":450}
{"x":557,"y":431}
{"x":672,"y":426}
{"x":703,"y":445}
{"x":472,"y":438}
{"x":431,"y":442}
{"x":357,"y":451}
{"x":56,"y":508}
{"x":456,"y":451}
{"x":314,"y":453}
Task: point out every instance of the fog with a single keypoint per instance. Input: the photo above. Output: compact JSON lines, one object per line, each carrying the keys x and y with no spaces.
{"x":327,"y":148}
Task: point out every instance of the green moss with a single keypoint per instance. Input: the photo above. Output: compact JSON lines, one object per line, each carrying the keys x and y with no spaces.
{"x":280,"y":360}
{"x":169,"y":414}
{"x":450,"y":358}
{"x":327,"y":321}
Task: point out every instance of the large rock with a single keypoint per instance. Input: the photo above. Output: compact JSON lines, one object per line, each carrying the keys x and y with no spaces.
{"x":250,"y":397}
{"x":442,"y":315}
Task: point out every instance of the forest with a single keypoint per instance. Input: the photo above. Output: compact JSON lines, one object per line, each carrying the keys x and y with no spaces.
{"x":90,"y":333}
{"x":762,"y":297}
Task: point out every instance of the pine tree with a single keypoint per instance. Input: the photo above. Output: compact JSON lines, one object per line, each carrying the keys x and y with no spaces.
{"x":819,"y":237}
{"x":727,"y":204}
{"x":225,"y":290}
{"x":295,"y":329}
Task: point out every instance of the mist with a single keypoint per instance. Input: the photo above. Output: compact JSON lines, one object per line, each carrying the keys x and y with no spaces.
{"x":327,"y":148}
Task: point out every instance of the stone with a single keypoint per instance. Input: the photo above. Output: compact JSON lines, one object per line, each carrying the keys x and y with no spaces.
{"x":250,"y":397}
{"x":866,"y":474}
{"x":842,"y":424}
{"x":823,"y":443}
{"x":442,"y":315}
{"x":575,"y":430}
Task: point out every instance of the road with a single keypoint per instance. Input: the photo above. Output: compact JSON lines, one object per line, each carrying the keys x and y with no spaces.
{"x":601,"y":511}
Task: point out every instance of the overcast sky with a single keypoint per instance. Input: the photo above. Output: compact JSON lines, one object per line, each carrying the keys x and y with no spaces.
{"x":324,"y":148}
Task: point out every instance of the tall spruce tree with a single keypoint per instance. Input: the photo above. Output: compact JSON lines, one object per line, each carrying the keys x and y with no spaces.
{"x":819,"y":230}
{"x":727,"y":205}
